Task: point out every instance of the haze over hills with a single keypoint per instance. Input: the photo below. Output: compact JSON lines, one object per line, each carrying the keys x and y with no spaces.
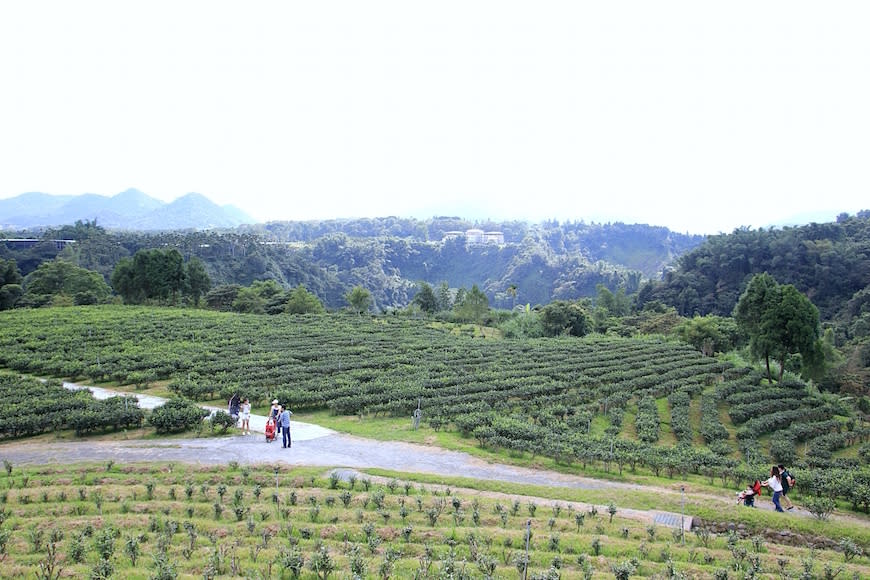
{"x":130,"y":210}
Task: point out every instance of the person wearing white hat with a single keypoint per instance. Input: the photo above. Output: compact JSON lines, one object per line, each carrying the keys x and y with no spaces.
{"x":273,"y":412}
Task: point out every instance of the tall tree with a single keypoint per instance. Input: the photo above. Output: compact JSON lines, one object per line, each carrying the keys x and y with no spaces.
{"x":793,"y":325}
{"x":445,"y":298}
{"x":779,"y":321}
{"x":150,"y":275}
{"x":196,"y":279}
{"x":749,"y":313}
{"x":254,"y":298}
{"x":512,"y":291}
{"x":222,"y":297}
{"x":426,"y":299}
{"x":614,"y":304}
{"x":474,"y":305}
{"x":360,"y":299}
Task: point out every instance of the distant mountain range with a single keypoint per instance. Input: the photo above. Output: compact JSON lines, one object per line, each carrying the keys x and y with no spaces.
{"x":128,"y":210}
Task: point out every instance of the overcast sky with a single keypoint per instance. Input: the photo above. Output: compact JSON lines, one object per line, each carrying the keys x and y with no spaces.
{"x":699,"y":116}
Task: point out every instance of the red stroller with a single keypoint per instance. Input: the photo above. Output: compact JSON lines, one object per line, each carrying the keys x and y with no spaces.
{"x":270,"y":430}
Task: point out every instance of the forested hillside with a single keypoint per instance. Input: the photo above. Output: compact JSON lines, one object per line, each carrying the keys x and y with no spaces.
{"x":535,"y":265}
{"x":828,"y":262}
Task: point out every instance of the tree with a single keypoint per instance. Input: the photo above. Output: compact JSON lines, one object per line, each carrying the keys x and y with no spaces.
{"x":793,"y":325}
{"x":512,"y":291}
{"x":360,"y":299}
{"x":779,"y":321}
{"x":60,"y":278}
{"x":9,"y":295}
{"x":122,"y":280}
{"x":709,"y":334}
{"x":749,"y":312}
{"x":474,"y":305}
{"x":150,"y":275}
{"x":254,"y":298}
{"x":222,"y":297}
{"x":445,"y":298}
{"x":565,"y":318}
{"x":426,"y":299}
{"x":196,"y":278}
{"x":615,"y":304}
{"x":301,"y":301}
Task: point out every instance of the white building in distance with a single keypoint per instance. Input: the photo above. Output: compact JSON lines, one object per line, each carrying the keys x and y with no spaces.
{"x":475,"y":236}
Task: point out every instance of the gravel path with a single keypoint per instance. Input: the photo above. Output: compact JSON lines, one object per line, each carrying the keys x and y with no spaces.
{"x":312,"y":445}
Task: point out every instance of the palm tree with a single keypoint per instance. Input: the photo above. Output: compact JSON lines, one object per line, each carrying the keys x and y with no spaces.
{"x":512,"y":292}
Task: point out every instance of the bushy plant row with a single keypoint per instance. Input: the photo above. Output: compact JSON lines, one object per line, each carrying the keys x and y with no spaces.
{"x":256,"y":521}
{"x":782,"y":419}
{"x":712,"y":429}
{"x":30,"y":407}
{"x":768,"y":393}
{"x":646,"y":422}
{"x":679,"y":402}
{"x":760,"y":409}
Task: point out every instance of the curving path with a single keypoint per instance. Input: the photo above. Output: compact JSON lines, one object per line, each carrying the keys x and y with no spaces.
{"x":312,"y":445}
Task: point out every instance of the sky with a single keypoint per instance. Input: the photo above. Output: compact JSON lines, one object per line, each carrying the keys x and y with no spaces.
{"x":699,"y":116}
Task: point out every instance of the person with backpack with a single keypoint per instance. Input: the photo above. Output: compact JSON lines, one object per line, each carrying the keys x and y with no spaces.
{"x":233,"y":407}
{"x":787,"y":484}
{"x":775,"y":485}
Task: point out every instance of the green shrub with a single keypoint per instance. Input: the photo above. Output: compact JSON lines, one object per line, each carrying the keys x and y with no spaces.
{"x":221,"y":420}
{"x":176,"y":415}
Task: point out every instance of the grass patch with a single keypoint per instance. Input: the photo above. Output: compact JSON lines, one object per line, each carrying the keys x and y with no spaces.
{"x":666,"y":435}
{"x":599,"y":425}
{"x":629,"y":430}
{"x":695,"y":421}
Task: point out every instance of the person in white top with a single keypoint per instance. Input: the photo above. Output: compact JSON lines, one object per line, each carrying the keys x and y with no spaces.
{"x":775,"y":486}
{"x":245,"y":416}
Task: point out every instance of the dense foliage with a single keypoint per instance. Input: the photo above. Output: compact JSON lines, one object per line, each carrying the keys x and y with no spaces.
{"x":780,"y":321}
{"x":159,"y":275}
{"x":60,"y":281}
{"x":829,"y":263}
{"x":10,"y":284}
